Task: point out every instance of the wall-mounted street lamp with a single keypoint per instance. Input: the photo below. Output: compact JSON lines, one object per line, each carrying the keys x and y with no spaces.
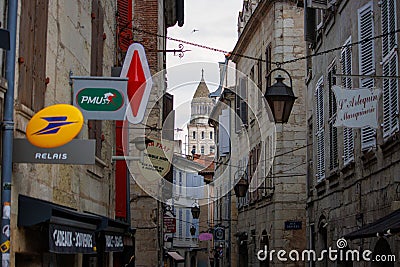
{"x":280,"y":97}
{"x":195,"y":210}
{"x":242,"y":185}
{"x":192,"y":230}
{"x":141,"y":144}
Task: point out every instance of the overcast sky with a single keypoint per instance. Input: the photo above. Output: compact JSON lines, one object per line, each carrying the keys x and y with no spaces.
{"x":215,"y":25}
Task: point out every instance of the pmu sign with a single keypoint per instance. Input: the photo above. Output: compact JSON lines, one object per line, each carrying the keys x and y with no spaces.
{"x":136,"y":69}
{"x":101,"y":98}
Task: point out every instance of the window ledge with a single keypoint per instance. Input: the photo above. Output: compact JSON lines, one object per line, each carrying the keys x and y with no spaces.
{"x":333,"y":178}
{"x":348,"y":169}
{"x":321,"y":186}
{"x":368,"y":155}
{"x":101,"y":163}
{"x":390,"y":142}
{"x":97,"y":170}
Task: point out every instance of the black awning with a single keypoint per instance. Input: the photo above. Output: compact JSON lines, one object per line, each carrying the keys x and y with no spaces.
{"x":176,"y":256}
{"x":114,"y":232}
{"x":33,"y":211}
{"x":66,"y":223}
{"x":69,"y":231}
{"x":390,"y":224}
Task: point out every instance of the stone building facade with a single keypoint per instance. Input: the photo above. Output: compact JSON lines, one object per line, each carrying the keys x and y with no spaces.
{"x":54,"y":41}
{"x":353,"y":179}
{"x":150,"y":18}
{"x":270,"y":157}
{"x":57,"y":39}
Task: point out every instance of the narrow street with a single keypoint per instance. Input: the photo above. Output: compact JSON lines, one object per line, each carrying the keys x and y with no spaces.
{"x":176,"y":133}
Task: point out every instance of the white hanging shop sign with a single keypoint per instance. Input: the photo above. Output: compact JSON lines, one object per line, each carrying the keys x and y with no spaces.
{"x":356,"y":108}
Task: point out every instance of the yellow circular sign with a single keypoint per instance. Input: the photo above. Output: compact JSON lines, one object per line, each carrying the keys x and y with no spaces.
{"x":54,"y":126}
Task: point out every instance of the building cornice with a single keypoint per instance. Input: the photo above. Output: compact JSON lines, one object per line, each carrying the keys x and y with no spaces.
{"x":247,"y":33}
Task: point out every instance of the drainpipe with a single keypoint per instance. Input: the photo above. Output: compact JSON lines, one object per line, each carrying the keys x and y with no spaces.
{"x":8,"y":134}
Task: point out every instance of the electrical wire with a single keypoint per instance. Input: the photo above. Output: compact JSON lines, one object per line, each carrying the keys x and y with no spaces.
{"x":260,"y":161}
{"x":230,"y":54}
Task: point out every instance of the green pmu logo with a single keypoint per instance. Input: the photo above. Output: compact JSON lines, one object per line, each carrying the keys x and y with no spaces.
{"x":99,"y":99}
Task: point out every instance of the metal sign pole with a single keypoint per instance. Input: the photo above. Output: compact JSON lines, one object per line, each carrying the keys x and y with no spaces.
{"x":8,"y":131}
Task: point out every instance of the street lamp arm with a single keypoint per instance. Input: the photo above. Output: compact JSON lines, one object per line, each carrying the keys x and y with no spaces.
{"x":115,"y":158}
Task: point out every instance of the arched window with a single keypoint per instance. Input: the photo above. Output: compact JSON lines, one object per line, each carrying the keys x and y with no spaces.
{"x":202,"y":150}
{"x":265,"y":247}
{"x":382,"y":248}
{"x":323,"y":237}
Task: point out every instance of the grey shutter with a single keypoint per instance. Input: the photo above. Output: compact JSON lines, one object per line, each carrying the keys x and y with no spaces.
{"x":319,"y":105}
{"x":224,"y":130}
{"x":366,"y":63}
{"x":333,"y":142}
{"x":320,"y":4}
{"x":243,"y":102}
{"x":390,"y":68}
{"x":348,"y":141}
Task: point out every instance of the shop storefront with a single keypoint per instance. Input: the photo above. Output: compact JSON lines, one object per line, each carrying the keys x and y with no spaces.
{"x":54,"y":235}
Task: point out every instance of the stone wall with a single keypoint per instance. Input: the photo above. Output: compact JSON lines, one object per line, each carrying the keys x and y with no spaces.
{"x":146,"y":213}
{"x":68,"y":49}
{"x":353,"y":195}
{"x":279,"y":25}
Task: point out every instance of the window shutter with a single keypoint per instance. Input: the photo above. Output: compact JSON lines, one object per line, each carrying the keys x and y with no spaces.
{"x":366,"y":49}
{"x":32,"y":47}
{"x":224,"y":130}
{"x":168,"y":116}
{"x":238,"y":122}
{"x":124,"y":23}
{"x":188,"y":220}
{"x":319,"y":99}
{"x":333,"y":146}
{"x":390,"y":96}
{"x":366,"y":63}
{"x":320,"y":4}
{"x":243,"y":101}
{"x":348,"y":141}
{"x":390,"y":68}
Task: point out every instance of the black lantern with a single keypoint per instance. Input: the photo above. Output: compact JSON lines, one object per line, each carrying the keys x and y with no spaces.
{"x":192,"y":230}
{"x":280,"y":98}
{"x":195,"y":211}
{"x":242,"y":185}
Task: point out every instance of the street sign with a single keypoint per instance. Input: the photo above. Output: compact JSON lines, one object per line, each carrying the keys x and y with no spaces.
{"x":54,"y":126}
{"x":293,"y":225}
{"x":356,"y":108}
{"x":170,"y":224}
{"x":157,"y":159}
{"x":101,"y":98}
{"x":75,"y":152}
{"x":71,"y":240}
{"x":137,"y":70}
{"x":219,"y":233}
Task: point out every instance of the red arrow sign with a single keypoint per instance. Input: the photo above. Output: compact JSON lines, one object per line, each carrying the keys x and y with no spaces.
{"x":136,"y":69}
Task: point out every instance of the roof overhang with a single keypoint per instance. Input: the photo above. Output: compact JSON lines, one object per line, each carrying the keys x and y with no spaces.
{"x":187,"y":165}
{"x":385,"y":226}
